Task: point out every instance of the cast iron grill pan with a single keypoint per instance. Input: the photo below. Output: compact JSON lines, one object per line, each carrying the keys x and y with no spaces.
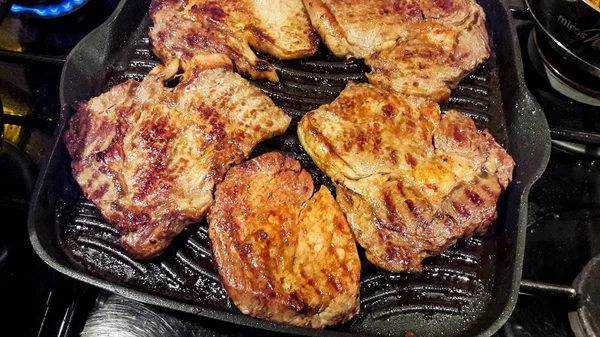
{"x":468,"y":290}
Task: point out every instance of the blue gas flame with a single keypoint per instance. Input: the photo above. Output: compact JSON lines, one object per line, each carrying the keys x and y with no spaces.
{"x":47,"y":11}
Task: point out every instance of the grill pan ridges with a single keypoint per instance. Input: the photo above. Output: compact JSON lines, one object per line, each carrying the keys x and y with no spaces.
{"x":468,"y":290}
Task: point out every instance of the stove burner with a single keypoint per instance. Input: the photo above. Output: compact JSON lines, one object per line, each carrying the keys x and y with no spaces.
{"x":583,"y":297}
{"x":584,"y":321}
{"x":55,"y":10}
{"x":561,"y":75}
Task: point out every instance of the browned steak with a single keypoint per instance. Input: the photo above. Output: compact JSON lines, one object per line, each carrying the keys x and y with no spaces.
{"x":422,"y":48}
{"x":184,"y":28}
{"x":433,"y":58}
{"x":283,"y":254}
{"x":149,"y":156}
{"x":410,"y":181}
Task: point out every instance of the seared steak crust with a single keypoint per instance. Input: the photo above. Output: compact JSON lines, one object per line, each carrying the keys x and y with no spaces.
{"x":149,"y":156}
{"x":359,"y":28}
{"x":411,"y":182}
{"x":422,"y":48}
{"x":283,"y":254}
{"x":433,"y":58}
{"x":184,"y":28}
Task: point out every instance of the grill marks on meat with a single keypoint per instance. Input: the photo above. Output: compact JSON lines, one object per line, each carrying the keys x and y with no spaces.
{"x":149,"y":156}
{"x":283,"y":253}
{"x":411,"y":182}
{"x":359,"y":28}
{"x":421,"y":48}
{"x":176,"y":36}
{"x":434,"y":58}
{"x":184,"y":28}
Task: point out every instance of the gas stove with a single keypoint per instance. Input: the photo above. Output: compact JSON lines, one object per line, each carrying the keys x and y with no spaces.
{"x":38,"y":301}
{"x":564,"y":205}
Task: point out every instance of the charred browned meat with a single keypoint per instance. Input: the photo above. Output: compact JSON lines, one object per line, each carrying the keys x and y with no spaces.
{"x":422,"y":48}
{"x":434,"y":58}
{"x":410,"y":181}
{"x":283,"y":254}
{"x":359,"y":28}
{"x":281,"y":28}
{"x":149,"y":156}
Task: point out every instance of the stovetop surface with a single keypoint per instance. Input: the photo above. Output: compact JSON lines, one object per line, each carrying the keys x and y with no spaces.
{"x":563,"y":221}
{"x":52,"y":36}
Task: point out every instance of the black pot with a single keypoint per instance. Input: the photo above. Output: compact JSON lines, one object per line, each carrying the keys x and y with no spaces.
{"x":572,"y":28}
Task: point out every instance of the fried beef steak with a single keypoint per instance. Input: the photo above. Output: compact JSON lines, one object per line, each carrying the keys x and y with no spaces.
{"x":410,"y":180}
{"x":433,"y":58}
{"x":281,"y":28}
{"x":422,"y":48}
{"x":283,"y":253}
{"x":149,"y":155}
